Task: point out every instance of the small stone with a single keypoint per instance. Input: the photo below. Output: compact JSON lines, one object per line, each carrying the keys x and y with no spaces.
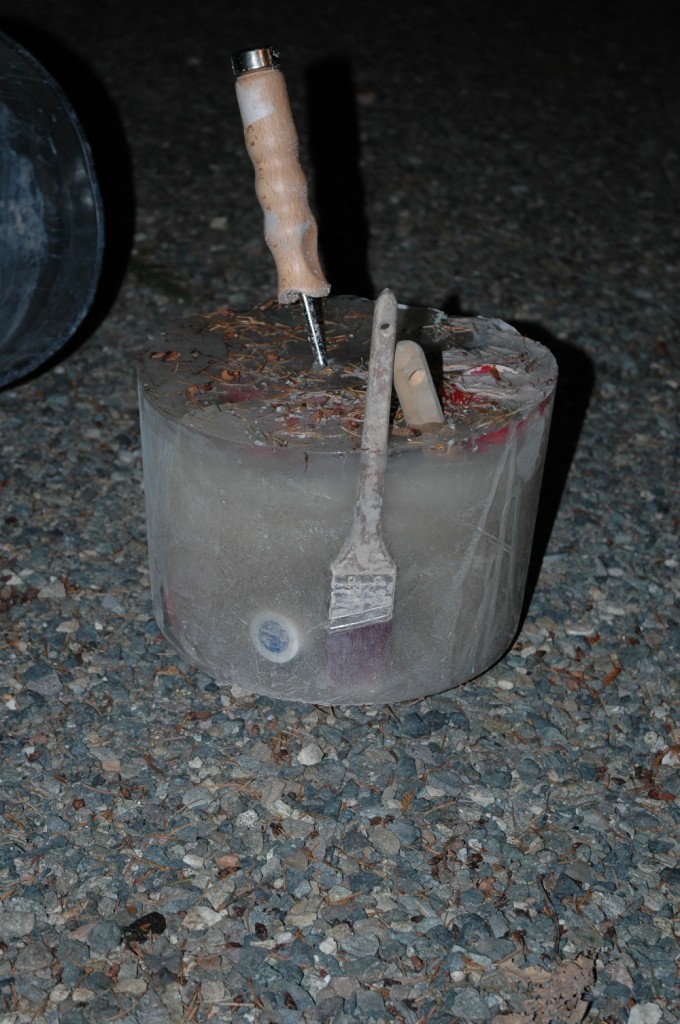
{"x":33,"y":957}
{"x":179,"y":897}
{"x":82,"y":995}
{"x":345,"y":987}
{"x":316,"y":845}
{"x":414,"y":726}
{"x":315,"y":983}
{"x":68,"y":626}
{"x":581,"y":629}
{"x":197,"y":797}
{"x":384,"y":841}
{"x":199,"y":918}
{"x":43,"y":679}
{"x":620,"y":974}
{"x":405,"y":832}
{"x":528,"y":770}
{"x":303,"y":913}
{"x":360,"y":945}
{"x":338,"y":893}
{"x":429,"y":792}
{"x":53,"y":591}
{"x":246,"y":820}
{"x":483,"y":797}
{"x":328,"y":946}
{"x":469,"y":1005}
{"x":609,"y":608}
{"x":59,"y":993}
{"x":497,"y":924}
{"x":581,"y":872}
{"x":272,"y":790}
{"x":15,"y":923}
{"x":227,"y":860}
{"x":612,"y":905}
{"x":296,"y":860}
{"x":311,"y":753}
{"x":645,"y":1013}
{"x":370,"y":1003}
{"x":132,"y":986}
{"x":212,"y":991}
{"x":671,"y":878}
{"x":103,"y":936}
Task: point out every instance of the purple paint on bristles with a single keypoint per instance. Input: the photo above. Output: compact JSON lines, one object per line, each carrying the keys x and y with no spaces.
{"x":359,"y":657}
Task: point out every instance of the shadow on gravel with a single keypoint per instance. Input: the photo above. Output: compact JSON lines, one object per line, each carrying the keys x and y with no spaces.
{"x":334,"y":152}
{"x":104,"y":131}
{"x":575,"y":385}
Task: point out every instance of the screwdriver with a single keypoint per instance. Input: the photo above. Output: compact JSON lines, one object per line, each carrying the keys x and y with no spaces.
{"x":289,"y":226}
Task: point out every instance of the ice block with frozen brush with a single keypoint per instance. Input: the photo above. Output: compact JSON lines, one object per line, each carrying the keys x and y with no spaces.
{"x":251,"y":468}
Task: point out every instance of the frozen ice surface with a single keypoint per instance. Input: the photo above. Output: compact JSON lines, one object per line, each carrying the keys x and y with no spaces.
{"x":241,"y":539}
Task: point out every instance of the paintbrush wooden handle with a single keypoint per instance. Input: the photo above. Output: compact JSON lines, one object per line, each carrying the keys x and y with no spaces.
{"x":271,"y":140}
{"x":376,"y":428}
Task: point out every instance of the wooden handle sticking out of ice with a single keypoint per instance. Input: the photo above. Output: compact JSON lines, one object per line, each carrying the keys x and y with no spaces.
{"x":415,"y":388}
{"x":289,"y":225}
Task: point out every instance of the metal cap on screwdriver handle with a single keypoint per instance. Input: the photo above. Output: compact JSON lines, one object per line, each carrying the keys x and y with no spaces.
{"x":280,"y":184}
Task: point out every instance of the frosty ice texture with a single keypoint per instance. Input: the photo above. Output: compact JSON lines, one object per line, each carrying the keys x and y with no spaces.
{"x":241,"y":538}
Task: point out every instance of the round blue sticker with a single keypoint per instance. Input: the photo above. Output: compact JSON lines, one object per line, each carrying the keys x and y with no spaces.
{"x":275,"y":637}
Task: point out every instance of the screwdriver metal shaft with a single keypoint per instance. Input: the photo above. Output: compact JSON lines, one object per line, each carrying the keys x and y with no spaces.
{"x":314,"y":330}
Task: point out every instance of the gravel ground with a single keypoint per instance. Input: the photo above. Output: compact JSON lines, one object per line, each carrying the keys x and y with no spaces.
{"x":506,"y":851}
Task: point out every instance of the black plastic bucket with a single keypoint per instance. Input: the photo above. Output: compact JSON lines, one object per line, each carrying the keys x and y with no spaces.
{"x":51,"y":219}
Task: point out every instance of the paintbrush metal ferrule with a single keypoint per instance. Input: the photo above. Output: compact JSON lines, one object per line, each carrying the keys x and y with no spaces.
{"x":378,"y":598}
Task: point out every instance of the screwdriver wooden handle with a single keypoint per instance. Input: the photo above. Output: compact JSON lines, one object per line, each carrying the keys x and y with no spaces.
{"x":271,"y":140}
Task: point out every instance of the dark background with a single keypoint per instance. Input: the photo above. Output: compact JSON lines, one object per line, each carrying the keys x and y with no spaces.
{"x":511,"y":160}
